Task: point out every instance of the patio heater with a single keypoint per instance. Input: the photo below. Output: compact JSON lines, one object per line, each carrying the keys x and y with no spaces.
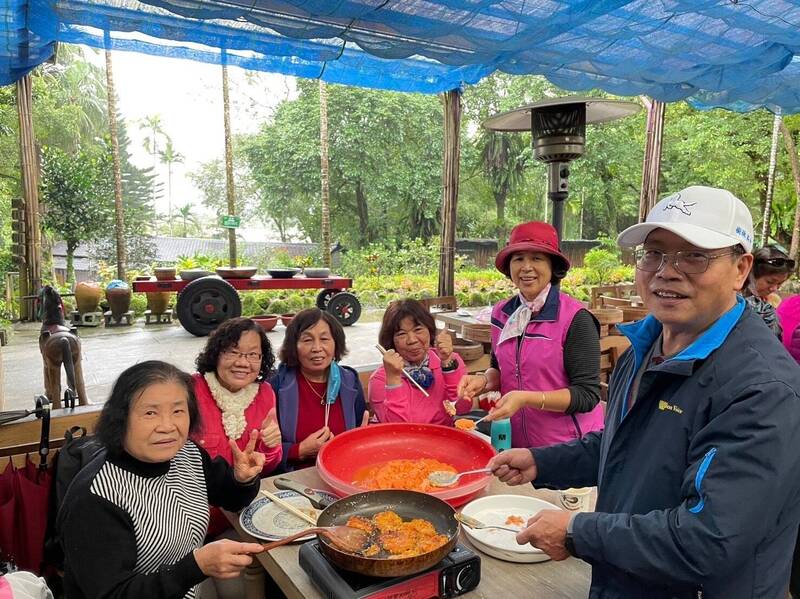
{"x":558,"y":127}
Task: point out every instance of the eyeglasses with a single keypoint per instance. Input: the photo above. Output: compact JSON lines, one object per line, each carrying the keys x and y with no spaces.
{"x":779,"y":262}
{"x":232,"y":354}
{"x":689,"y":262}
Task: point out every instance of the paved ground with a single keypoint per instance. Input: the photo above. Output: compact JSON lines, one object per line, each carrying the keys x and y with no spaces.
{"x":107,"y":352}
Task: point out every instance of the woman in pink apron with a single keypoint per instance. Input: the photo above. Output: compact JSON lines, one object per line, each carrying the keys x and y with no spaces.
{"x":545,"y":347}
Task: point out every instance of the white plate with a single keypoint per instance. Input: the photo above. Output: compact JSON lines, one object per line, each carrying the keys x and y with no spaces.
{"x":501,"y":544}
{"x":265,"y":520}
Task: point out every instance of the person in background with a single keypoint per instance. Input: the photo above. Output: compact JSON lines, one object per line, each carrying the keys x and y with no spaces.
{"x":408,"y":334}
{"x":545,"y":347}
{"x":133,"y":521}
{"x":311,"y":383}
{"x":233,"y":399}
{"x":697,"y":469}
{"x":771,"y":269}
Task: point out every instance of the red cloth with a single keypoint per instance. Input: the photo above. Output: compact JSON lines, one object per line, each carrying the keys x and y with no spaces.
{"x":213,"y":439}
{"x":312,"y":415}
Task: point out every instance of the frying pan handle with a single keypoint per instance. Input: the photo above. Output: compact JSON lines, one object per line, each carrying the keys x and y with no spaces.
{"x":318,"y":501}
{"x":290,"y":538}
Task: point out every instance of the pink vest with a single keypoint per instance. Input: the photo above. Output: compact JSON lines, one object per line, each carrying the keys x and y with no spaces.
{"x":536,"y":363}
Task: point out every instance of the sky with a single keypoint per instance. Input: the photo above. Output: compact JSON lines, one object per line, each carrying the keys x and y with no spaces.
{"x":188,"y":97}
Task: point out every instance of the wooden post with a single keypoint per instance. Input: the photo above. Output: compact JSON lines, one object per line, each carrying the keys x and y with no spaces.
{"x":226,"y":108}
{"x":30,"y":271}
{"x":119,"y":225}
{"x":651,"y":168}
{"x":323,"y":154}
{"x":450,"y":173}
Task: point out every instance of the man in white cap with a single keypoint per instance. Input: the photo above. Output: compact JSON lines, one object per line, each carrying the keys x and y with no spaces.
{"x":698,"y":469}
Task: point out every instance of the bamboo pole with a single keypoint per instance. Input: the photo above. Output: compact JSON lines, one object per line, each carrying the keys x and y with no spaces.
{"x":30,"y":271}
{"x":651,"y":167}
{"x":226,"y":108}
{"x":326,"y":197}
{"x":119,"y":225}
{"x":450,"y":174}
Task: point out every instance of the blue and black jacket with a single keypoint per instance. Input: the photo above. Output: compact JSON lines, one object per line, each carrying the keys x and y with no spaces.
{"x":698,"y":480}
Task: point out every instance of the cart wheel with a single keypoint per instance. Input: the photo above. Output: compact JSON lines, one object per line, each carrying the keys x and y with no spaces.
{"x":345,"y":307}
{"x":205,"y":303}
{"x":324,"y":296}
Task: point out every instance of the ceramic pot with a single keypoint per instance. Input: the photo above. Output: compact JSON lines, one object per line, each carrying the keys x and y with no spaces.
{"x":119,"y":300}
{"x":266,"y":321}
{"x":87,"y":296}
{"x":287,"y":318}
{"x":158,"y":301}
{"x":166,"y":273}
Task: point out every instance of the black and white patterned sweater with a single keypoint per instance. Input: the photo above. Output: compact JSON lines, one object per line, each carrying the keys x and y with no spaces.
{"x":129,"y":528}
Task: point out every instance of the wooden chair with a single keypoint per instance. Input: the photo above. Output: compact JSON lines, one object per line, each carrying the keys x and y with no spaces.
{"x":619,"y":290}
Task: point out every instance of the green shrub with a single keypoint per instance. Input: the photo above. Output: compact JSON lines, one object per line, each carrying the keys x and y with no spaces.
{"x":138,"y":303}
{"x":279,"y":307}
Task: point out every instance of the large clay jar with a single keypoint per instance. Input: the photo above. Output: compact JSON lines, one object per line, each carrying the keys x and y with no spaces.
{"x":158,"y":301}
{"x":87,"y":296}
{"x":118,"y":295}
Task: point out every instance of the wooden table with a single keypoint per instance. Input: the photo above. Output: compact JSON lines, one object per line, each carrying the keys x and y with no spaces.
{"x":549,"y":580}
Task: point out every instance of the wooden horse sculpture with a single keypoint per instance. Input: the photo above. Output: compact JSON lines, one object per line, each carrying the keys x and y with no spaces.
{"x":59,"y":345}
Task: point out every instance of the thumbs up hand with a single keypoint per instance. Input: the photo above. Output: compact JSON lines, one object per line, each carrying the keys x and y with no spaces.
{"x":444,"y":346}
{"x":270,"y":431}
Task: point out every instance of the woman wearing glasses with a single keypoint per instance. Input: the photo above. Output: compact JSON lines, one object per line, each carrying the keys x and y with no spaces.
{"x":545,"y":347}
{"x":234,"y":400}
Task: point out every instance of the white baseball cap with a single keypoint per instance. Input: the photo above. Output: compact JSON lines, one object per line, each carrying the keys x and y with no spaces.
{"x":707,"y":217}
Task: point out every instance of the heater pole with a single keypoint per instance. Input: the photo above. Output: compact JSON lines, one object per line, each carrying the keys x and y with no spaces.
{"x":558,"y":191}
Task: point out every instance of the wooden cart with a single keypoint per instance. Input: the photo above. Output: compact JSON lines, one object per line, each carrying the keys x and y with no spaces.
{"x":204,"y":303}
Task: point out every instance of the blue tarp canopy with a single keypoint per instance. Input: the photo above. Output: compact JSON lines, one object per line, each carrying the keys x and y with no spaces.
{"x":735,"y":53}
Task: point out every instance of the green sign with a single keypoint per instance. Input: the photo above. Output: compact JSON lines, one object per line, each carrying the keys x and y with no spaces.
{"x":230,"y":222}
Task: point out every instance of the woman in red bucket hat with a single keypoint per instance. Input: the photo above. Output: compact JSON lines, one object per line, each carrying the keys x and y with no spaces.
{"x":545,"y":347}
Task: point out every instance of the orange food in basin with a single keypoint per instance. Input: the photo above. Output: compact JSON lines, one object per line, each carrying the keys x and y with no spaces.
{"x":465,"y":424}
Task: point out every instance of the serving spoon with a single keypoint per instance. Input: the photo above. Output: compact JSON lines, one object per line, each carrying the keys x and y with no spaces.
{"x":346,"y":538}
{"x":443,"y":478}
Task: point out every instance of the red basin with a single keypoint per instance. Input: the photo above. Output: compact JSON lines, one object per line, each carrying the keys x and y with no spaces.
{"x":340,"y":459}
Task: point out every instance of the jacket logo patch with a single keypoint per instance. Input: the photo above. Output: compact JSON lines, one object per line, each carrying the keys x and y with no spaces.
{"x":678,"y":204}
{"x":668,"y":407}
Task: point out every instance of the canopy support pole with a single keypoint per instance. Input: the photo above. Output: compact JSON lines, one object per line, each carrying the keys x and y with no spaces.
{"x":450,"y":175}
{"x":226,"y":117}
{"x":30,"y":279}
{"x":651,"y":168}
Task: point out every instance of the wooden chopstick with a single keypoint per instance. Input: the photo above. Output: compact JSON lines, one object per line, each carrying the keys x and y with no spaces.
{"x":408,"y":376}
{"x":289,"y":507}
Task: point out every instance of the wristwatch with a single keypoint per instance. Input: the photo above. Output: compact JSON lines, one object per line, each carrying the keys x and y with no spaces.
{"x":569,"y":544}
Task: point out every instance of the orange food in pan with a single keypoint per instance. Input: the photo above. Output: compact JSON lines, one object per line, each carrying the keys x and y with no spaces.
{"x":395,"y":538}
{"x":410,"y":475}
{"x":465,"y":424}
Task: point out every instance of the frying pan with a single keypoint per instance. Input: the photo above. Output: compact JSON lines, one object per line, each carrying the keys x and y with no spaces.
{"x":408,"y":505}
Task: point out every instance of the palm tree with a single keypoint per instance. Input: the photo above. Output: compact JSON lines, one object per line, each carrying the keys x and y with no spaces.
{"x":119,"y":223}
{"x":502,"y":161}
{"x":155,"y":134}
{"x":169,"y":157}
{"x":188,"y":217}
{"x":326,"y":197}
{"x":226,"y":115}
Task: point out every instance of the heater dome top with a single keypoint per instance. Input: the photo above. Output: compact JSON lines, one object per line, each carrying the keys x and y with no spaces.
{"x":598,"y":110}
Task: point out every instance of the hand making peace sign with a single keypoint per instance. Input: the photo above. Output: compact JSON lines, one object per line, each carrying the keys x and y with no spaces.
{"x":247,"y":464}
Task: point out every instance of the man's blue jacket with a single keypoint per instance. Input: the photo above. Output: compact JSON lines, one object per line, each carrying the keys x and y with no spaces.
{"x":699,"y":480}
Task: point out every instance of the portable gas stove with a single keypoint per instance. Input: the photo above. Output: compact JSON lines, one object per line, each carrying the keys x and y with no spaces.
{"x":456,"y":574}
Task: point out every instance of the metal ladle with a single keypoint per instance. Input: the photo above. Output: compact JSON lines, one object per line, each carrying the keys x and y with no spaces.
{"x":443,"y":478}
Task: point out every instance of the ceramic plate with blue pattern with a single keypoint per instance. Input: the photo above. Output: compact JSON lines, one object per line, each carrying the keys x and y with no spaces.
{"x":265,"y":520}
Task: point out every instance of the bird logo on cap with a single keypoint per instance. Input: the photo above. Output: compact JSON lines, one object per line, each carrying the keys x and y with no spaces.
{"x":677,"y":203}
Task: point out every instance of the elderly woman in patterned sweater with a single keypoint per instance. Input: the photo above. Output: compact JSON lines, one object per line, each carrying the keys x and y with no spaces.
{"x":133,"y":520}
